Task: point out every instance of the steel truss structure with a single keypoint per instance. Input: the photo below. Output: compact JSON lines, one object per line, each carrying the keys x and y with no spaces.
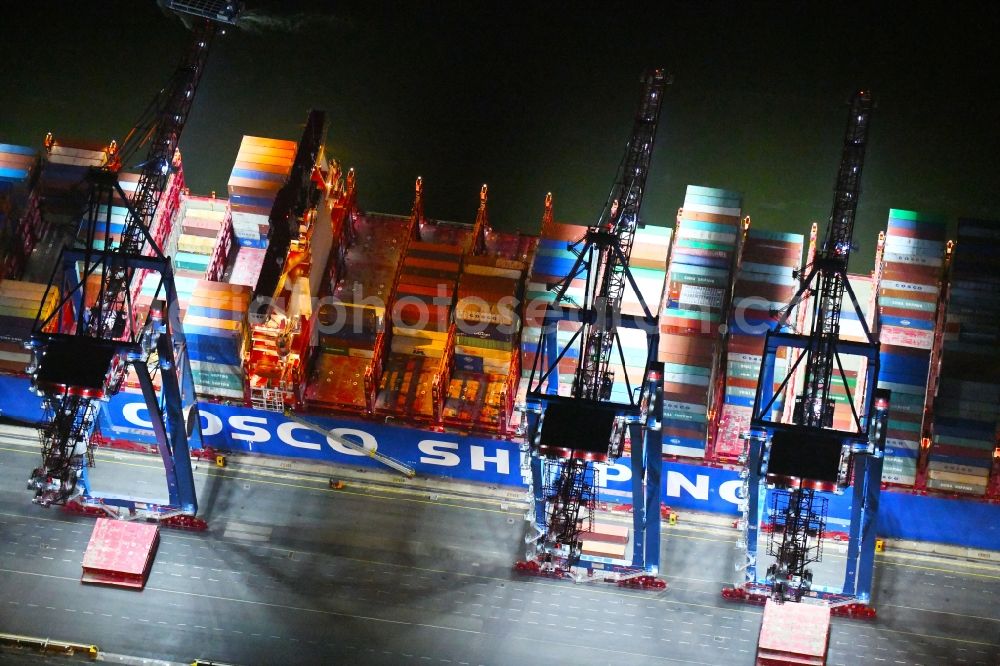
{"x":563,"y":456}
{"x":82,"y":351}
{"x":798,"y":460}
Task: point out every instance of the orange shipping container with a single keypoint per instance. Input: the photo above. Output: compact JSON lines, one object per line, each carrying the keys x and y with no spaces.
{"x":255,"y":158}
{"x":709,"y":217}
{"x":251,"y":140}
{"x":250,"y":149}
{"x":281,"y":169}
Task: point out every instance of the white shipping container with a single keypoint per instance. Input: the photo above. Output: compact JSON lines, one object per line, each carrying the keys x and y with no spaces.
{"x":913,"y":245}
{"x":700,"y":296}
{"x":711,"y":236}
{"x":714,"y":210}
{"x":915,"y":259}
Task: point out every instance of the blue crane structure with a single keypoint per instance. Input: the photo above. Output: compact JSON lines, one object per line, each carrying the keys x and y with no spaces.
{"x":81,"y":352}
{"x":796,"y":458}
{"x":567,"y":434}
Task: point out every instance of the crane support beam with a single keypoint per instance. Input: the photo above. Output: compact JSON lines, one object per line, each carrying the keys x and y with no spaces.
{"x":290,"y":203}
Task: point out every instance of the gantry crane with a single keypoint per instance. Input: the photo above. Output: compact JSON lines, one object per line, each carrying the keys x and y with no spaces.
{"x":81,"y":353}
{"x":797,"y":461}
{"x":566,"y":434}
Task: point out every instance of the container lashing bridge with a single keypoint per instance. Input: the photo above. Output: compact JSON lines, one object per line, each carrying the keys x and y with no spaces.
{"x":797,"y":457}
{"x":568,"y":434}
{"x":83,"y":350}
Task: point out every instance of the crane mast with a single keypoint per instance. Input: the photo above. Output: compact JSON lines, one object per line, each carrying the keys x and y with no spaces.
{"x":564,"y":485}
{"x":81,"y":353}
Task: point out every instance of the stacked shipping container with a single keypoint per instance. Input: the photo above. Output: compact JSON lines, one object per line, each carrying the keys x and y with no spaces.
{"x":417,"y":370}
{"x":215,"y":326}
{"x":486,"y":343}
{"x":908,"y":302}
{"x":764,"y":285}
{"x":261,"y":169}
{"x":965,"y":425}
{"x":553,"y":261}
{"x":19,"y":304}
{"x":852,"y":329}
{"x":21,"y":224}
{"x":648,"y":264}
{"x":62,"y":183}
{"x":201,"y":236}
{"x":695,"y":306}
{"x":351,"y":332}
{"x":111,"y":225}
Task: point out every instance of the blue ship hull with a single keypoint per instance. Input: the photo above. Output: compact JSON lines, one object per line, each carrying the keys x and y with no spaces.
{"x":902,"y":515}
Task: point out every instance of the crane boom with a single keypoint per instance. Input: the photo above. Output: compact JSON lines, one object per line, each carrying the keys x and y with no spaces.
{"x":618,"y":221}
{"x":169,"y":116}
{"x":814,"y":406}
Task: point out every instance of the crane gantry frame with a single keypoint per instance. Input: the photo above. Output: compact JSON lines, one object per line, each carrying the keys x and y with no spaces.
{"x":796,"y":461}
{"x":81,"y":353}
{"x":567,"y":434}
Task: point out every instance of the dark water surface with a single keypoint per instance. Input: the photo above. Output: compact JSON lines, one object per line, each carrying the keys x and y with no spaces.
{"x":531,"y":98}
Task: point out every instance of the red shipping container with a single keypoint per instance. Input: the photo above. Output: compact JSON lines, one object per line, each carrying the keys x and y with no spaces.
{"x":443,"y":290}
{"x":895,"y":433}
{"x":682,"y":359}
{"x":424,"y":281}
{"x":679,"y":392}
{"x":901,"y":272}
{"x":410,"y":312}
{"x":684,"y":344}
{"x":739,"y":382}
{"x":768,"y":291}
{"x":746,"y":345}
{"x":564,"y":232}
{"x":684,"y":433}
{"x":888,"y":348}
{"x":789,"y":256}
{"x":683,"y":325}
{"x":931,"y":233}
{"x":416,"y":262}
{"x":908,"y":315}
{"x":436,"y":248}
{"x":448,"y":276}
{"x":909,"y":295}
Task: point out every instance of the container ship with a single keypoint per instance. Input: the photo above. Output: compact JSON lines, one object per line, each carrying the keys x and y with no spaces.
{"x":415,"y":336}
